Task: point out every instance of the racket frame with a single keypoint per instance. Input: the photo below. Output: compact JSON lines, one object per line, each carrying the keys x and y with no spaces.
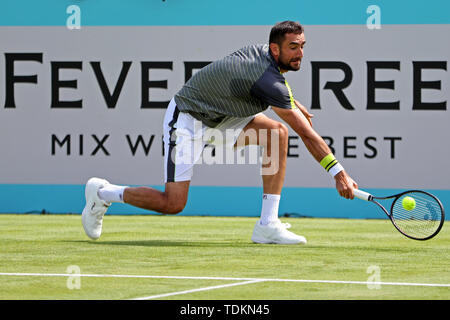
{"x":369,"y":197}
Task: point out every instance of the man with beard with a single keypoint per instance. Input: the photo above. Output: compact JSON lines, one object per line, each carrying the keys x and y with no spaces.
{"x":230,"y":94}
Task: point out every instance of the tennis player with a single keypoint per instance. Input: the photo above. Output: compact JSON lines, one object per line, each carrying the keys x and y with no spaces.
{"x":230,"y":94}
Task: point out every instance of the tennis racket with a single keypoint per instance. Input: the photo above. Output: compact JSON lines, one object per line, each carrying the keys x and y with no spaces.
{"x":420,"y":219}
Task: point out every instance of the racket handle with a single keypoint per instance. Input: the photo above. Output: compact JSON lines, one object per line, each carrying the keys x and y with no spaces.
{"x":362,"y":195}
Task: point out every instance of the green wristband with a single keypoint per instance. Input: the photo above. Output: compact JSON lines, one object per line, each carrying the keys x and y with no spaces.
{"x":328,"y":161}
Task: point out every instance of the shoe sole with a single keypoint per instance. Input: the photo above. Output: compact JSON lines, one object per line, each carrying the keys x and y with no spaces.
{"x":264,"y":241}
{"x":83,"y":219}
{"x":88,"y":207}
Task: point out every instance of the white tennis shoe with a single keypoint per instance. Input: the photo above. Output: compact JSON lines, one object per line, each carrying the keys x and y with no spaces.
{"x":95,"y":209}
{"x":276,"y":232}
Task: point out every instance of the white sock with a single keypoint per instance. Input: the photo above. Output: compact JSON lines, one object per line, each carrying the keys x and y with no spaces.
{"x":269,"y":210}
{"x":111,"y":193}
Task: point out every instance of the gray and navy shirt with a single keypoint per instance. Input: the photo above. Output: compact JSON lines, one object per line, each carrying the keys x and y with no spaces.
{"x":242,"y":84}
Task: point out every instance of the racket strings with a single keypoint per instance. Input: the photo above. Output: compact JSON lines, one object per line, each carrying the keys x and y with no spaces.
{"x":421,"y":221}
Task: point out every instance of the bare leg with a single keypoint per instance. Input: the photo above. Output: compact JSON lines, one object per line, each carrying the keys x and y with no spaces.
{"x":274,"y":139}
{"x":171,"y":201}
{"x":270,"y":134}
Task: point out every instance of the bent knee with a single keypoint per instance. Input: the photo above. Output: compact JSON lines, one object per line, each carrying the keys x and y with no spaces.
{"x":281,"y":132}
{"x":174,"y":208}
{"x":284,"y":131}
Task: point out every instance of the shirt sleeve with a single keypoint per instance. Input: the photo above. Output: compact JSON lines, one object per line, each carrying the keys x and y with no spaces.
{"x":273,"y":89}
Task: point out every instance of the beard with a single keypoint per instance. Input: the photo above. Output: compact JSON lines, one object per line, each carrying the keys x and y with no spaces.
{"x":286,"y":65}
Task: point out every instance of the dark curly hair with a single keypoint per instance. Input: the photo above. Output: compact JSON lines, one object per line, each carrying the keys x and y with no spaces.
{"x":281,"y":28}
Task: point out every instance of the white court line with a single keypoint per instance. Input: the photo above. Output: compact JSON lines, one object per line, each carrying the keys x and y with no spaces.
{"x":225,"y":279}
{"x":197,"y":290}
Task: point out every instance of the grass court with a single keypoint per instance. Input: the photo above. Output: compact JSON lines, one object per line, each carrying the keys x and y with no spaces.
{"x":212,"y":258}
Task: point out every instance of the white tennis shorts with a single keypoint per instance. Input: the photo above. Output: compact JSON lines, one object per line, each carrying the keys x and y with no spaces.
{"x":185,"y":139}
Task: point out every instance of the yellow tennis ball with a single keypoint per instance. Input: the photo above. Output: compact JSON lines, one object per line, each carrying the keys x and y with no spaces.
{"x":408,"y":203}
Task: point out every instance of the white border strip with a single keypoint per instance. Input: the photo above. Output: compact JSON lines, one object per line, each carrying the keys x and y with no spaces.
{"x":223,"y":279}
{"x":197,"y":290}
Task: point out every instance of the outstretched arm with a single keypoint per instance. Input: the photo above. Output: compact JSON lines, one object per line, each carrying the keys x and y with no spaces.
{"x":301,"y":124}
{"x":305,"y":111}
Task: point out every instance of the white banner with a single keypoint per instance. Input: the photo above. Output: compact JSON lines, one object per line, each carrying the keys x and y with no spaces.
{"x":82,"y":103}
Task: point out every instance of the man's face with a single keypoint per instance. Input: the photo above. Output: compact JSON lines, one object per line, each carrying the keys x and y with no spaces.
{"x":290,"y":53}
